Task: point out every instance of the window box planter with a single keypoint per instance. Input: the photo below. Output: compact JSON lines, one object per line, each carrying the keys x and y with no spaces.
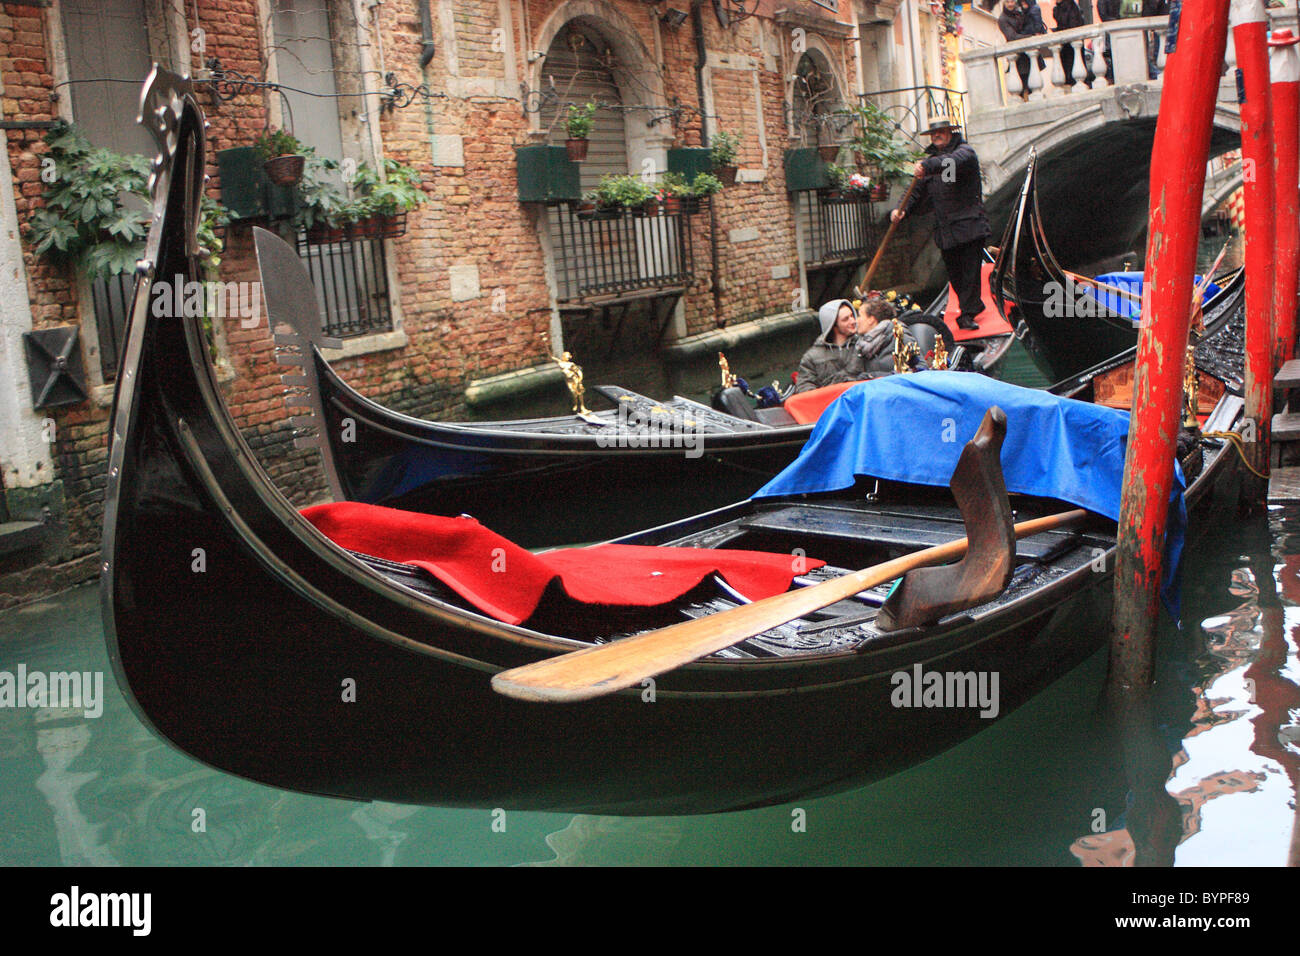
{"x":689,"y":161}
{"x":546,"y":174}
{"x":248,"y":193}
{"x":804,"y":170}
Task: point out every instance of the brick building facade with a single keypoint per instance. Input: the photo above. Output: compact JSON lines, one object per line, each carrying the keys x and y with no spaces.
{"x":463,"y":298}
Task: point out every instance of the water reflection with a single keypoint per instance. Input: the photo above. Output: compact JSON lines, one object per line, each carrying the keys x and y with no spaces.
{"x":1234,"y":759}
{"x":1204,"y":771}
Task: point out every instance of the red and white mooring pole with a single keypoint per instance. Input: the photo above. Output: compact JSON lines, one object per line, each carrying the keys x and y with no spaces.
{"x":1249,"y":26}
{"x":1178,"y":159}
{"x":1284,"y":73}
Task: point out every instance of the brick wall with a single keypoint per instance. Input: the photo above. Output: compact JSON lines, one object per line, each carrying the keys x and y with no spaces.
{"x":472,"y":218}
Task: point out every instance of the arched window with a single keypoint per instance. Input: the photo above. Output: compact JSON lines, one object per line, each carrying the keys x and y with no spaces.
{"x":579,"y":62}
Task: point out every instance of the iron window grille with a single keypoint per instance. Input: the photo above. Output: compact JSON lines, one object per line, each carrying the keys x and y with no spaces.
{"x":351,"y":280}
{"x":604,"y":257}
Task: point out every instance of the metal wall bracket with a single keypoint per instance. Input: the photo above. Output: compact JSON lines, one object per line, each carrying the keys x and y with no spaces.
{"x":54,"y":367}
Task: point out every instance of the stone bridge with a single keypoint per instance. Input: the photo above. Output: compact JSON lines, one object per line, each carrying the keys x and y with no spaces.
{"x":1094,"y":145}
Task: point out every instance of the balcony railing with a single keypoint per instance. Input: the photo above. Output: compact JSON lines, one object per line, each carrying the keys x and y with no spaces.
{"x":1119,"y":52}
{"x":604,"y":258}
{"x":837,"y":229}
{"x":351,"y":280}
{"x":913,"y":107}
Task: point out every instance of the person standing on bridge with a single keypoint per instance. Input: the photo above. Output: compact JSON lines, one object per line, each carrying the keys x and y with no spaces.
{"x":949,"y":184}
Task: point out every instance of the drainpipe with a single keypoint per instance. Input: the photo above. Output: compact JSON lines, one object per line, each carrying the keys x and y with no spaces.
{"x":701,"y":61}
{"x":426,"y":33}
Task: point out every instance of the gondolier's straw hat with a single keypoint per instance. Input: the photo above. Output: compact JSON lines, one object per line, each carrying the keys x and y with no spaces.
{"x":941,"y":123}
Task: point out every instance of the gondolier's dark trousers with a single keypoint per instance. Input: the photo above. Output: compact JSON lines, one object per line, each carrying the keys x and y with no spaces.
{"x":963,"y":263}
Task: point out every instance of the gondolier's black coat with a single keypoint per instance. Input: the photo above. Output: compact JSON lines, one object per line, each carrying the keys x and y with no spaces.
{"x":958,"y":205}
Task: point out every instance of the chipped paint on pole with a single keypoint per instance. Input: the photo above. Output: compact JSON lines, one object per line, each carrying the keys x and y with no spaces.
{"x":1250,"y":40}
{"x":1179,"y":155}
{"x":1284,"y":75}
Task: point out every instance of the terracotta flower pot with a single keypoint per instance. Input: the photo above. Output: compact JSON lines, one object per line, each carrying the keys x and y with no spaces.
{"x":727,"y":174}
{"x":285,"y":170}
{"x":577,"y":149}
{"x":672,"y":206}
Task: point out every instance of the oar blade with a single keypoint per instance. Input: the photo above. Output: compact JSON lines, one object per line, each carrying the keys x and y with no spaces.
{"x":608,"y":668}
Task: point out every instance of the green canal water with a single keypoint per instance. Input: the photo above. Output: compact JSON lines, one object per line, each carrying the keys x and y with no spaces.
{"x":1207,"y":774}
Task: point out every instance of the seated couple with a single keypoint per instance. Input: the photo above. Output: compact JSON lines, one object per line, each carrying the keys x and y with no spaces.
{"x":853,"y":344}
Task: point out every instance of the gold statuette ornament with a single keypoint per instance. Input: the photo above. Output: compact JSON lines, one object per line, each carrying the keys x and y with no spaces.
{"x":903,"y":354}
{"x":1191,"y":391}
{"x":729,"y":378}
{"x":572,"y":378}
{"x":939,"y":357}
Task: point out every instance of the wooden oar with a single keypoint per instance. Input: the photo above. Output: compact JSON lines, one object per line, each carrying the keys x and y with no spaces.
{"x":1102,"y":285}
{"x":595,"y":671}
{"x":606,"y":668}
{"x":865,"y":284}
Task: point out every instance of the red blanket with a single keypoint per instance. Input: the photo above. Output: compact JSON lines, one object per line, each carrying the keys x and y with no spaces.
{"x":506,"y":581}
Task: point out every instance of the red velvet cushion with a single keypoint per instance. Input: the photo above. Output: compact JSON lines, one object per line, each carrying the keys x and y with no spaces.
{"x":506,"y":581}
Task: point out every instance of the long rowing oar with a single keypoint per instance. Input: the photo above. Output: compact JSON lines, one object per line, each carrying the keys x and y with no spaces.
{"x":865,"y":284}
{"x":596,"y":671}
{"x":1102,"y":285}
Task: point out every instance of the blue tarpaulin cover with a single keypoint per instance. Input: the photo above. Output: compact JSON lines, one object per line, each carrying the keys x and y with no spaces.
{"x":912,"y":428}
{"x":1132,"y":282}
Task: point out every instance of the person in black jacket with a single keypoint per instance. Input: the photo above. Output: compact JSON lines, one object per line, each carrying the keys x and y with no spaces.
{"x":1067,"y":15}
{"x":1154,"y":8}
{"x":950,"y":185}
{"x":1108,"y":10}
{"x":1011,"y":21}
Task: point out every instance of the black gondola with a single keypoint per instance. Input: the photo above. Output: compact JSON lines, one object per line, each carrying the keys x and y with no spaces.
{"x":287,"y":660}
{"x":673,"y":457}
{"x":1066,"y":326}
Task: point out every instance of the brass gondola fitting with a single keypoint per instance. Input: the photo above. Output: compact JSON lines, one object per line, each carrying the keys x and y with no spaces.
{"x":903,"y":354}
{"x":729,"y":378}
{"x":939,"y":357}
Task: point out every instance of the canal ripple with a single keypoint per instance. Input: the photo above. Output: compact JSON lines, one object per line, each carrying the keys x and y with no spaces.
{"x":1205,"y":772}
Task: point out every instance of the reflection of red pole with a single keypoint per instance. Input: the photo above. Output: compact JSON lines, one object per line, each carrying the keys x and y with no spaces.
{"x":1179,"y":155}
{"x":1248,"y":35}
{"x":1284,"y":72}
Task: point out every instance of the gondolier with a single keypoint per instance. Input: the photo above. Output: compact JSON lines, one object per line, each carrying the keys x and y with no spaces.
{"x":949,"y":184}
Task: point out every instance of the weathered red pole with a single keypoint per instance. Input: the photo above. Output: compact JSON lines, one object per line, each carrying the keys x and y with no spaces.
{"x":1178,"y":158}
{"x":1248,"y":35}
{"x":1284,"y":72}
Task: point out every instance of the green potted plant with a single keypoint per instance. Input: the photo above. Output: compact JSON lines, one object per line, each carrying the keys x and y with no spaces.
{"x":723,"y":149}
{"x":380,"y":206}
{"x":321,"y":202}
{"x":839,"y":180}
{"x":282,"y":156}
{"x":701,"y":187}
{"x":578,"y":127}
{"x":673,"y":189}
{"x":624,"y":192}
{"x":885,"y":158}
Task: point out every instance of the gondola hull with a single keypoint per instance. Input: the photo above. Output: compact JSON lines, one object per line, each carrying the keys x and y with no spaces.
{"x":248,"y":640}
{"x":1065,"y":327}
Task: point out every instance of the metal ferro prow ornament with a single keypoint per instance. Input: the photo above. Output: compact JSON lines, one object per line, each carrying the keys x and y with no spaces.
{"x":903,"y":354}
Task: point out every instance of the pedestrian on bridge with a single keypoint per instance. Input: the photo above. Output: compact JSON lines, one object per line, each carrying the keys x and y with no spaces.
{"x":949,"y":183}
